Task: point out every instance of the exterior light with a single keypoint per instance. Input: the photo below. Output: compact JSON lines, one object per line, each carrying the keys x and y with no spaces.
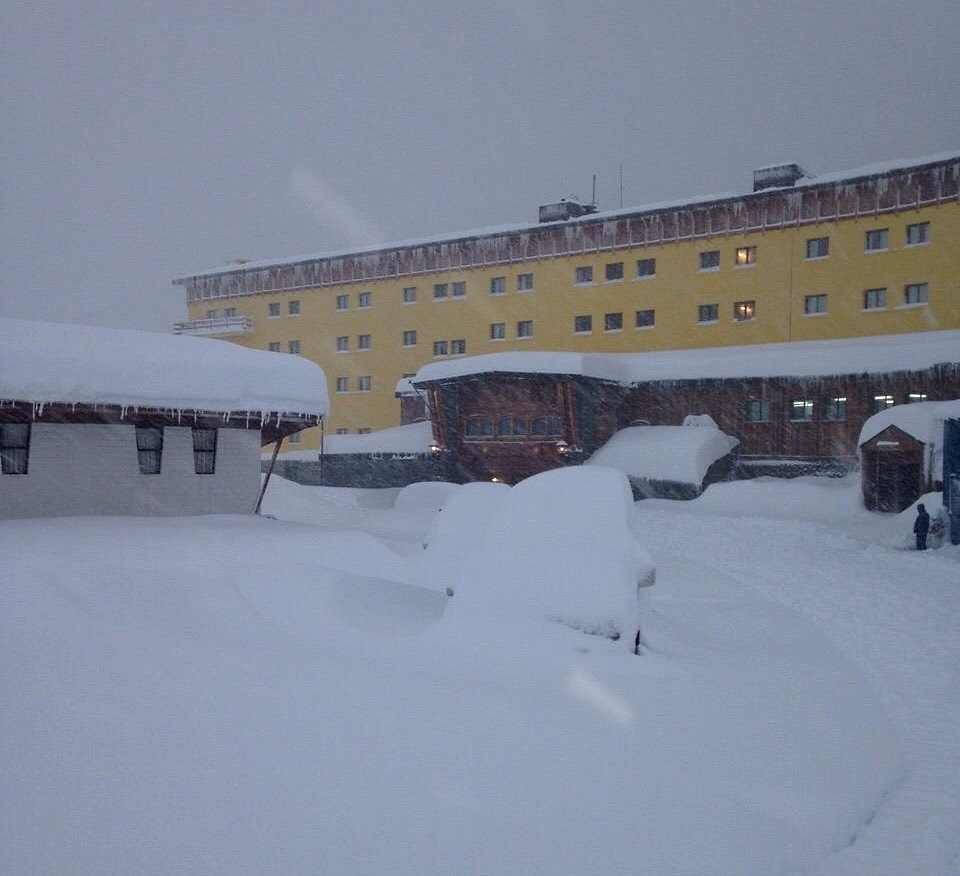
{"x":562,"y":447}
{"x":435,"y":448}
{"x":496,"y":480}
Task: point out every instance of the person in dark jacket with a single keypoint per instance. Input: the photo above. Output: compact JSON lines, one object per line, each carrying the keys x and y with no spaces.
{"x":921,"y":527}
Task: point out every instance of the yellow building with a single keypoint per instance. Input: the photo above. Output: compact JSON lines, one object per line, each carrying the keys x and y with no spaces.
{"x":874,"y":251}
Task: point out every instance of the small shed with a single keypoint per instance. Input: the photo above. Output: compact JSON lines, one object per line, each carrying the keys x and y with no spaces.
{"x":100,"y":421}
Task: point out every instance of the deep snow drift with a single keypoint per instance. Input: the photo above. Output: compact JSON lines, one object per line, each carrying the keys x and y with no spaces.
{"x":245,"y":695}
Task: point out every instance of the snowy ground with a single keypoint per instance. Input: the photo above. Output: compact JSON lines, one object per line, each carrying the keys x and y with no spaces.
{"x":248,"y":696}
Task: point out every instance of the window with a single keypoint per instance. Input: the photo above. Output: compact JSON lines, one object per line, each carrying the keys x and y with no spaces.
{"x":613,"y":271}
{"x":229,"y":311}
{"x":801,"y":410}
{"x":915,"y":397}
{"x":881,"y":403}
{"x":410,"y":338}
{"x":525,"y":328}
{"x":915,"y":293}
{"x":583,"y":274}
{"x":410,"y":295}
{"x":363,"y":430}
{"x":818,"y":247}
{"x":440,"y":290}
{"x":708,"y":313}
{"x":364,"y":299}
{"x":836,"y":408}
{"x":758,"y":411}
{"x":545,"y":426}
{"x":149,"y":448}
{"x":874,"y":299}
{"x":710,"y":261}
{"x":364,"y":342}
{"x":918,"y":233}
{"x":743,"y":311}
{"x":204,"y":450}
{"x":458,"y":347}
{"x":458,"y":289}
{"x":875,"y":240}
{"x":14,"y":447}
{"x":274,"y":346}
{"x":645,"y":319}
{"x":342,"y":431}
{"x":509,"y":427}
{"x":814,"y":304}
{"x":343,"y":343}
{"x":498,"y":285}
{"x":364,"y":383}
{"x":524,"y":282}
{"x":745,"y":255}
{"x":343,"y":384}
{"x":646,"y":267}
{"x":273,"y":308}
{"x":294,"y":438}
{"x":293,"y":308}
{"x":498,"y":331}
{"x":293,"y":347}
{"x":583,"y":323}
{"x":478,"y":427}
{"x":213,"y":314}
{"x":343,"y":302}
{"x":613,"y":322}
{"x":439,"y":348}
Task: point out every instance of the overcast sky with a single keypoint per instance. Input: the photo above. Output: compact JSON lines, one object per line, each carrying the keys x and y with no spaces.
{"x":142,"y":141}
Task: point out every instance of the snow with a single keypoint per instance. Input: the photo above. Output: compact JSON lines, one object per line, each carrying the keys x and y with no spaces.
{"x":46,"y":362}
{"x":865,"y":355}
{"x":253,"y":695}
{"x":412,"y":438}
{"x":667,"y":453}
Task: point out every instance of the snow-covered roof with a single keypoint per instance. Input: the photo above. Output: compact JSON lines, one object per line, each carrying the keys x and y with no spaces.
{"x":49,"y":363}
{"x":865,"y":355}
{"x":869,"y":170}
{"x":412,"y":438}
{"x":922,"y":420}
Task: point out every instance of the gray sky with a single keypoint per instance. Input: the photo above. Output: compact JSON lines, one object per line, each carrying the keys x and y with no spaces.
{"x":146,"y":140}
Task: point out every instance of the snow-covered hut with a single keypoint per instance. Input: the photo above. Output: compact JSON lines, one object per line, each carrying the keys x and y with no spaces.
{"x":109,"y":421}
{"x":901,"y":453}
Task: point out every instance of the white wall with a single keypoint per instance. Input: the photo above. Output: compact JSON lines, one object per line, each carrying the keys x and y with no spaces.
{"x":92,"y":469}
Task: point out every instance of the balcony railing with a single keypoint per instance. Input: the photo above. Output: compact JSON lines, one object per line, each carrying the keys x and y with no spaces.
{"x":223,"y":325}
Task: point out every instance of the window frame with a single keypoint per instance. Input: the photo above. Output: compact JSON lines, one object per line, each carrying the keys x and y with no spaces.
{"x":613,"y":322}
{"x":745,"y":256}
{"x":645,"y":325}
{"x":873,"y":237}
{"x":364,"y":342}
{"x":149,"y":453}
{"x":498,"y":285}
{"x":613,"y":272}
{"x":923,"y":229}
{"x":583,"y":324}
{"x":875,"y":299}
{"x":293,"y":308}
{"x":441,"y":291}
{"x":820,"y":243}
{"x":204,"y":457}
{"x":364,"y":383}
{"x":343,"y":384}
{"x":458,"y":289}
{"x":273,"y":309}
{"x":342,"y":302}
{"x":817,"y":298}
{"x":343,"y":343}
{"x":803,"y":404}
{"x":642,"y":272}
{"x":440,"y":348}
{"x":583,"y":275}
{"x":15,"y":448}
{"x":409,"y":295}
{"x":756,"y":410}
{"x":364,"y":300}
{"x":408,"y":338}
{"x":293,"y":347}
{"x":708,"y":314}
{"x":498,"y":331}
{"x":835,"y":409}
{"x":917,"y":291}
{"x":524,"y":328}
{"x":525,"y":282}
{"x":709,"y":260}
{"x":745,"y":311}
{"x":458,"y":347}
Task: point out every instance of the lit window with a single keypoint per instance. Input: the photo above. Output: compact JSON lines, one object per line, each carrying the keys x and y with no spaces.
{"x":458,"y":289}
{"x":646,"y":267}
{"x":498,"y":285}
{"x":613,"y":271}
{"x":364,"y":342}
{"x":364,"y":383}
{"x":818,"y":247}
{"x":410,"y":295}
{"x":758,"y":411}
{"x":524,"y":282}
{"x":918,"y":233}
{"x":439,"y":290}
{"x":710,"y":261}
{"x":498,"y":331}
{"x":801,"y":410}
{"x":875,"y":240}
{"x":645,"y":318}
{"x":915,"y":397}
{"x":274,"y":346}
{"x":915,"y":293}
{"x":343,"y":302}
{"x":525,"y":328}
{"x":612,"y":322}
{"x":458,"y":347}
{"x":343,"y":343}
{"x":545,"y":426}
{"x":478,"y":427}
{"x":293,"y":347}
{"x":14,"y":447}
{"x":744,"y":310}
{"x":874,"y":299}
{"x":204,"y":450}
{"x":149,"y":448}
{"x":343,"y":384}
{"x":410,"y":338}
{"x":745,"y":255}
{"x":814,"y":304}
{"x":708,"y":313}
{"x":584,"y":274}
{"x":836,"y":408}
{"x":881,"y":403}
{"x":273,"y":308}
{"x":583,"y":323}
{"x":363,"y":299}
{"x":439,"y":348}
{"x":293,"y":308}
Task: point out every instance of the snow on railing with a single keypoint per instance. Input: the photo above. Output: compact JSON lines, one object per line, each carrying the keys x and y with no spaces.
{"x":224,"y":325}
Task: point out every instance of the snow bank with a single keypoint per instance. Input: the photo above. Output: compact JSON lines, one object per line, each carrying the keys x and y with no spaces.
{"x":52,"y":362}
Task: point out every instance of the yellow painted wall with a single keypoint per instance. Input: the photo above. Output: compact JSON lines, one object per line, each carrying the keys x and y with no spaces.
{"x":778,"y":282}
